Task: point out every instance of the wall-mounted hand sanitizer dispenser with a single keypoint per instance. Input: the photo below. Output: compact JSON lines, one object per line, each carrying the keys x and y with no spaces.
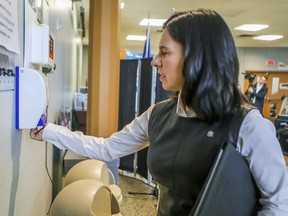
{"x":31,"y":90}
{"x":42,"y":46}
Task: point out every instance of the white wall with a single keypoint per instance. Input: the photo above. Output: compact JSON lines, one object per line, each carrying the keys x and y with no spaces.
{"x":25,"y":187}
{"x":84,"y":70}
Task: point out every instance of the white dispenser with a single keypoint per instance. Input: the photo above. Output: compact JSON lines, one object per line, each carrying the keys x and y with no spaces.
{"x":42,"y":46}
{"x":31,"y":91}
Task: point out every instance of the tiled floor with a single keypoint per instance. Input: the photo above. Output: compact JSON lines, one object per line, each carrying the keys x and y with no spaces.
{"x":136,"y":204}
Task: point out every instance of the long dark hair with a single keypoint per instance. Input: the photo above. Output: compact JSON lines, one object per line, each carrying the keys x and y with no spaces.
{"x":211,"y":66}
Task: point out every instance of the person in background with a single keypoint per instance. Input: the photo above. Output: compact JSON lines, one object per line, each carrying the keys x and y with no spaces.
{"x":258,"y":92}
{"x":197,"y":59}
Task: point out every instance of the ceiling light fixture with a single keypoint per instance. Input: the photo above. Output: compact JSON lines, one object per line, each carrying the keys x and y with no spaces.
{"x":136,"y":37}
{"x":152,"y":22}
{"x":268,"y":37}
{"x":251,"y":27}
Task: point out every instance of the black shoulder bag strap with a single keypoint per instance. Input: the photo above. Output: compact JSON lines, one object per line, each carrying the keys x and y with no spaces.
{"x":231,"y":125}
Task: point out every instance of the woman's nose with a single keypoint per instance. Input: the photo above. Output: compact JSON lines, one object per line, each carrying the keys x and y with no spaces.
{"x":155,"y":62}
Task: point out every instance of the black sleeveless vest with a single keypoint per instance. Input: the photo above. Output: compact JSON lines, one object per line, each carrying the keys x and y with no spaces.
{"x":181,"y":153}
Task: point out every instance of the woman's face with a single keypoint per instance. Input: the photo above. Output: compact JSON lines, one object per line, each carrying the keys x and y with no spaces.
{"x":169,"y":62}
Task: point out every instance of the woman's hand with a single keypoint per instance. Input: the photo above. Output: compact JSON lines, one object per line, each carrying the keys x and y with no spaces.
{"x":36,"y":134}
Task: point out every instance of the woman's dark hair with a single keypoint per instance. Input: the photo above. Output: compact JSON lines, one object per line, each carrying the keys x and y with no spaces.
{"x":211,"y":64}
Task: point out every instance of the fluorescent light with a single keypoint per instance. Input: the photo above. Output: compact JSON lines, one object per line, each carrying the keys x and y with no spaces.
{"x":136,"y":37}
{"x":251,"y":27}
{"x":122,"y":5}
{"x":152,"y":22}
{"x":268,"y":37}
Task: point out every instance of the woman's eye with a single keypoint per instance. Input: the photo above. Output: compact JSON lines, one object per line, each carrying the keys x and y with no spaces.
{"x":163,"y":53}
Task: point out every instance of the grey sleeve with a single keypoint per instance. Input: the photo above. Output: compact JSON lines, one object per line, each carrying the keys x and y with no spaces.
{"x":257,"y":142}
{"x":130,"y":139}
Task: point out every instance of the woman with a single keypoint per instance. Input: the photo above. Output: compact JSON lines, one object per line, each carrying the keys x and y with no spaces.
{"x":197,"y":59}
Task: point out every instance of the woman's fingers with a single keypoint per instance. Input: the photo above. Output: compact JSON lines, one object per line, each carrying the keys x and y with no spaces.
{"x":36,"y":134}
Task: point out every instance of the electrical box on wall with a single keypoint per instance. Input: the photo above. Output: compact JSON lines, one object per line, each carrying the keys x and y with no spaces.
{"x":31,"y":91}
{"x":42,"y":46}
